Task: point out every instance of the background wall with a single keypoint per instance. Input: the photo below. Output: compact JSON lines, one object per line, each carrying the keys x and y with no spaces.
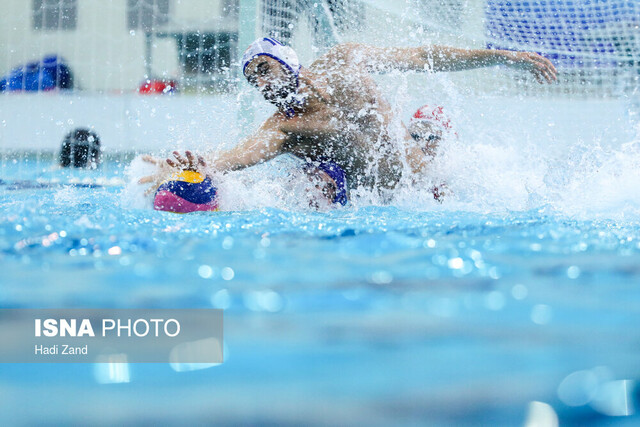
{"x":197,"y":45}
{"x":104,"y":53}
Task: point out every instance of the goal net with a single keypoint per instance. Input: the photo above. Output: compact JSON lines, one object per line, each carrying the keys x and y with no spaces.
{"x":595,"y":44}
{"x":114,"y":45}
{"x":90,"y":62}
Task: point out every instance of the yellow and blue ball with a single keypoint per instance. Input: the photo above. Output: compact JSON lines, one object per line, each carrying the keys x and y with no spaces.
{"x":188,"y":191}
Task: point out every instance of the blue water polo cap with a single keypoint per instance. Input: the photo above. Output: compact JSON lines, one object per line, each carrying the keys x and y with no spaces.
{"x":272,"y":48}
{"x":339,"y":177}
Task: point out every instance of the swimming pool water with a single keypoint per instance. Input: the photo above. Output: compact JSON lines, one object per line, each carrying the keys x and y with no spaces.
{"x":379,"y":314}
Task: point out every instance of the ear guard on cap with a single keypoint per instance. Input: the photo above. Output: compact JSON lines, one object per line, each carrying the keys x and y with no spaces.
{"x":338,"y":176}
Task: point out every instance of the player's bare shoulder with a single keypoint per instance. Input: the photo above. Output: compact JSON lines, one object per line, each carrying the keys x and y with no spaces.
{"x":338,"y":59}
{"x":342,"y":78}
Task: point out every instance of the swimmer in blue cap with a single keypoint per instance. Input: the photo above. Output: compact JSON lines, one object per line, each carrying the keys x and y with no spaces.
{"x":282,"y":91}
{"x":333,"y":109}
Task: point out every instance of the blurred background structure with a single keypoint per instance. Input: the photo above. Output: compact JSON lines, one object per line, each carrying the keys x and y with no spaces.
{"x":95,"y":58}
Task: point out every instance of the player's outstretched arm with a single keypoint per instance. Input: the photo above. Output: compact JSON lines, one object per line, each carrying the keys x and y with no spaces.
{"x":440,"y":58}
{"x":264,"y":144}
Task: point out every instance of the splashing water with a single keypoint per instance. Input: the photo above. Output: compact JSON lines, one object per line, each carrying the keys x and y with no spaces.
{"x":577,"y":159}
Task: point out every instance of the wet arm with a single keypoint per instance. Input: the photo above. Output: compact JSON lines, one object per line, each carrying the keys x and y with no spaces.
{"x":264,"y":144}
{"x":441,"y":58}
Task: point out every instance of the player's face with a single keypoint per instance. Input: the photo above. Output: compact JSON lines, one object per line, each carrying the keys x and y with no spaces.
{"x":276,"y":83}
{"x":425,"y":130}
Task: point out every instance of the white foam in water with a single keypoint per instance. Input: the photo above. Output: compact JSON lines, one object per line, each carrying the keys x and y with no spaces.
{"x":575,"y":157}
{"x":278,"y":184}
{"x":133,"y":195}
{"x":587,"y":179}
{"x":481,"y":176}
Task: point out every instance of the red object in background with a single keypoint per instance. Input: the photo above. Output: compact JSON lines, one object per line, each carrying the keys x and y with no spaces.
{"x":157,"y":87}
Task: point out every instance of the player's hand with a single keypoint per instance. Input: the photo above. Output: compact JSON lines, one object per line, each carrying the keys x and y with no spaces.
{"x":541,"y":68}
{"x":162,"y":172}
{"x":149,"y":178}
{"x":188,"y":162}
{"x":165,"y":168}
{"x":169,"y":165}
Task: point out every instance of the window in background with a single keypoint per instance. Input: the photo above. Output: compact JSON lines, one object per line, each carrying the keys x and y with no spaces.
{"x":147,"y":15}
{"x":206,"y":58}
{"x":55,"y":14}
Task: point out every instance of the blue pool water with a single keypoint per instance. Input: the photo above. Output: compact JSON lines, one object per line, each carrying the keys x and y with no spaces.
{"x":378,"y":314}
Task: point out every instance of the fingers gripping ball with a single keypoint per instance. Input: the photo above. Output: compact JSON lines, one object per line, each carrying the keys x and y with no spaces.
{"x":186,"y":192}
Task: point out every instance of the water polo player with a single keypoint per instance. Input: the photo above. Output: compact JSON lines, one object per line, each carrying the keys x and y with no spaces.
{"x":191,"y":191}
{"x":334,"y":110}
{"x":428,"y":127}
{"x":80,"y":149}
